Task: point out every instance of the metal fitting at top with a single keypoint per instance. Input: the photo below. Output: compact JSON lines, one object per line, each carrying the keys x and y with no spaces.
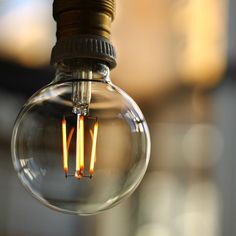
{"x":91,"y":17}
{"x":84,"y":30}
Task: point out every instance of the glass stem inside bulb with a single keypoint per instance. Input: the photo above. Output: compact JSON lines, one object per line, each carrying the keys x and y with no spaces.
{"x":81,"y":93}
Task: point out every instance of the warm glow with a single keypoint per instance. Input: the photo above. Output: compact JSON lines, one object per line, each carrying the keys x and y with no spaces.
{"x":70,"y":137}
{"x":93,"y":154}
{"x":92,"y":137}
{"x":79,"y":156}
{"x":81,"y":136}
{"x":203,"y":58}
{"x":64,"y":147}
{"x":77,"y":170}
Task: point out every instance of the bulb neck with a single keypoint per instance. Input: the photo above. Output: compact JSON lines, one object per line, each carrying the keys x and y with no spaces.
{"x":74,"y":70}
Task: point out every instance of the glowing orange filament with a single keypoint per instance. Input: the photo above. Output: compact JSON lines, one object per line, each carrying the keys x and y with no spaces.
{"x":81,"y":135}
{"x":64,"y":146}
{"x":77,"y":168}
{"x":93,"y":153}
{"x":91,"y":134}
{"x":70,"y":137}
{"x":79,"y":165}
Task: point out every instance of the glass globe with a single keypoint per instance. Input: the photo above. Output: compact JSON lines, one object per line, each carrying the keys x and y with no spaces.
{"x":45,"y":153}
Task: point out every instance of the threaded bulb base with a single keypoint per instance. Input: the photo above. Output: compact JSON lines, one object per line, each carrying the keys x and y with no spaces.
{"x":83,"y":17}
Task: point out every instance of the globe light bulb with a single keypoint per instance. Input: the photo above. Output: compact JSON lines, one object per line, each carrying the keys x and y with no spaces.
{"x":80,"y":144}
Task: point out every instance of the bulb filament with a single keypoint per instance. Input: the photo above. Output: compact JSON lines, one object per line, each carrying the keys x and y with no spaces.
{"x":80,"y":154}
{"x":64,"y":146}
{"x":93,"y":153}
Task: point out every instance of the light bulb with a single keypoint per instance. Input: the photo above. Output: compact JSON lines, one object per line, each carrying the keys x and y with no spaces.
{"x":80,"y":144}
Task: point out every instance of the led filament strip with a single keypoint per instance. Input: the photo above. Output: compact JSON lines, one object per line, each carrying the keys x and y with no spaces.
{"x":79,"y":162}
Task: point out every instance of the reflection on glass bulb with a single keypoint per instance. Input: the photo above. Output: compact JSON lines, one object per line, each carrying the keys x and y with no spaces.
{"x":80,"y":145}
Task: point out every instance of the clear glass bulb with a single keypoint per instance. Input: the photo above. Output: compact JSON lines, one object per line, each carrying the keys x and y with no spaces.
{"x":80,"y":145}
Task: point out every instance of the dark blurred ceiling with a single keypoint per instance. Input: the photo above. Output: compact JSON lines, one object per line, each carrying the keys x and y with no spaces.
{"x":22,"y":80}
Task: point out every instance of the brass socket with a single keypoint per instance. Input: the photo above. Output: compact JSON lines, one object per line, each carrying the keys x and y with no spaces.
{"x":83,"y":17}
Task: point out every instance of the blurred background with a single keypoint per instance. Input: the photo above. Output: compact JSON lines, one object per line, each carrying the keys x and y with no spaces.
{"x":177,"y":59}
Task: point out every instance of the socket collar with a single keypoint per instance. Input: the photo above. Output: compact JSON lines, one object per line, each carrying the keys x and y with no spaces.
{"x":83,"y":30}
